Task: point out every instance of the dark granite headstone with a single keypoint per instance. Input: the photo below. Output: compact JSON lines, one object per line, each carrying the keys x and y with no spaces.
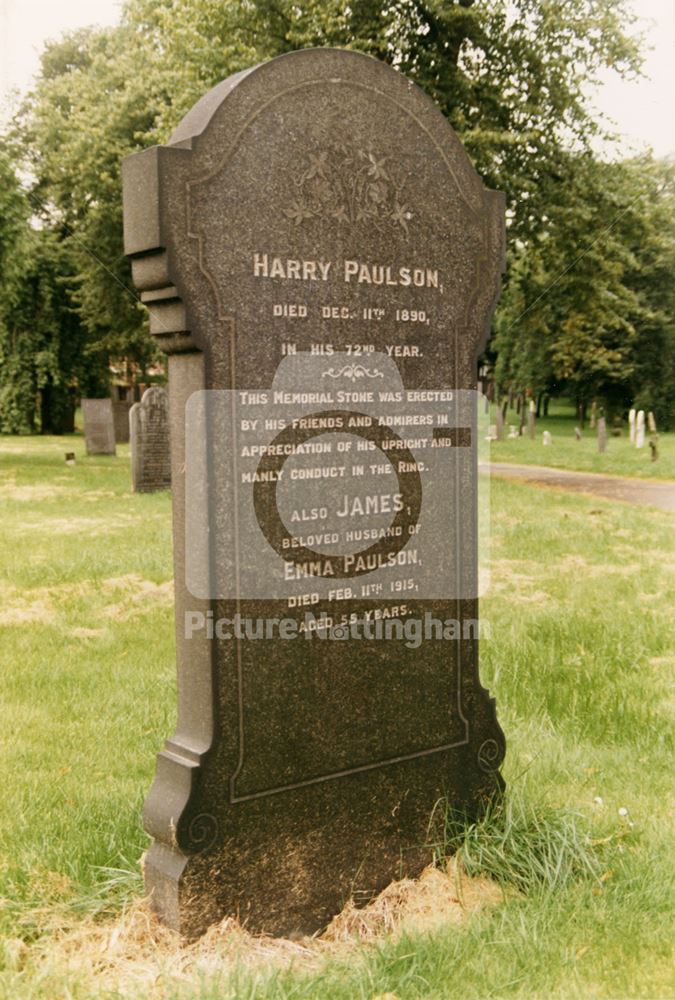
{"x":314,"y":234}
{"x":149,"y":435}
{"x":99,"y":426}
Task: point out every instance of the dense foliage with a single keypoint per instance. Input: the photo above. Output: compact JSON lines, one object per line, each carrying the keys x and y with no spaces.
{"x":46,"y":357}
{"x":590,"y":304}
{"x":510,"y":75}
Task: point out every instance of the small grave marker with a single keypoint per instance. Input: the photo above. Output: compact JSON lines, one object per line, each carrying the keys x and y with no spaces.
{"x":99,"y":426}
{"x":640,"y":429}
{"x":631,"y":426}
{"x":531,"y":420}
{"x":149,"y":434}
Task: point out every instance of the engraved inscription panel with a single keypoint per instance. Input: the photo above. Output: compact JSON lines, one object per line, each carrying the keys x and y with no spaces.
{"x":358,"y":239}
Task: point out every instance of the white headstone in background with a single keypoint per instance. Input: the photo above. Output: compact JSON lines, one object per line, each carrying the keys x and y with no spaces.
{"x":602,"y":435}
{"x":546,"y":437}
{"x":640,"y":430}
{"x":531,"y":419}
{"x":631,"y":426}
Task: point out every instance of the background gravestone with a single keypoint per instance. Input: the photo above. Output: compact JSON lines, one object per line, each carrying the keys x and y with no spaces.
{"x":99,"y":426}
{"x":122,"y":400}
{"x":149,"y":435}
{"x":318,"y":205}
{"x":531,"y":414}
{"x":631,"y":426}
{"x":640,"y":429}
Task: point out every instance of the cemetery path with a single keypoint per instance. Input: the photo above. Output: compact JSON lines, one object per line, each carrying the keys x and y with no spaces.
{"x":637,"y":491}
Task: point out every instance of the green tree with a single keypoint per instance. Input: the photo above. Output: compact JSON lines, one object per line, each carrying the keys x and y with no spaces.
{"x":510,"y":76}
{"x":64,"y":364}
{"x":17,"y":389}
{"x":652,"y":385}
{"x":589,"y":306}
{"x":44,"y":353}
{"x":75,"y":131}
{"x":521,"y":347}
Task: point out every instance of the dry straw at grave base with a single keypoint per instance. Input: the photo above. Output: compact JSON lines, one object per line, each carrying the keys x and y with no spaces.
{"x":136,"y":952}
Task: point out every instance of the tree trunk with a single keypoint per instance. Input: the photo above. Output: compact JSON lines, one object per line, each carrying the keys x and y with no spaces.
{"x":581,"y":412}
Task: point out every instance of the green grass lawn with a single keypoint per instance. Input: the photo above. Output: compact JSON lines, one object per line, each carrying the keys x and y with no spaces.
{"x":565,"y":452}
{"x":580,"y":660}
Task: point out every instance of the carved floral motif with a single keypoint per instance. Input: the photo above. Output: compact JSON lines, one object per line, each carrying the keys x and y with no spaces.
{"x":349,"y":185}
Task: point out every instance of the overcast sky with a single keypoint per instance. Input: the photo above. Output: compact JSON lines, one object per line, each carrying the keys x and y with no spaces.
{"x":644,"y":110}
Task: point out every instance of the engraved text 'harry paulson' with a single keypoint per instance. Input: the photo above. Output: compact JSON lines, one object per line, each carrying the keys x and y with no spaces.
{"x":266,"y":266}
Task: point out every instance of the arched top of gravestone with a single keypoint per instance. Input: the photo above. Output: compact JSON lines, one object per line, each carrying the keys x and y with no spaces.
{"x":320,"y":180}
{"x":154,"y":395}
{"x":302,"y":70}
{"x":200,"y":114}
